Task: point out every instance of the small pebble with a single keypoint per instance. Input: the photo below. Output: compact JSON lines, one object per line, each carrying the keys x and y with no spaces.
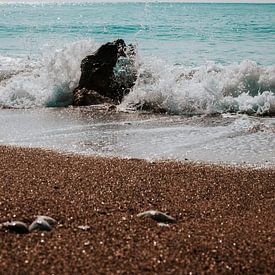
{"x":49,"y":220}
{"x":16,"y":226}
{"x":111,"y":108}
{"x":84,"y":227}
{"x":40,"y":224}
{"x":161,"y":224}
{"x":157,"y":216}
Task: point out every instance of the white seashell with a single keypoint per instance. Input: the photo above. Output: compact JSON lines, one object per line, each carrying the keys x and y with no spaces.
{"x":157,"y":216}
{"x":16,"y":226}
{"x":40,"y":224}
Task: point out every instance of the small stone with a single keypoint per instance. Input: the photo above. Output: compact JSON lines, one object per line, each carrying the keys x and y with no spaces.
{"x":84,"y":227}
{"x":49,"y":220}
{"x":16,"y":226}
{"x":161,"y":224}
{"x":40,"y":224}
{"x":112,"y":108}
{"x":157,"y":216}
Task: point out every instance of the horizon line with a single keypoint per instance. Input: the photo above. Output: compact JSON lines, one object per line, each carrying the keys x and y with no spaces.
{"x":139,"y":1}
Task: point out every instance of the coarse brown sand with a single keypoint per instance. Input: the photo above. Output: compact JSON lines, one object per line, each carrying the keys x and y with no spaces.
{"x":225,"y":216}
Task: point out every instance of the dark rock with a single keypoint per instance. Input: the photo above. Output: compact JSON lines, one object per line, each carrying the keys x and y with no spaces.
{"x":107,"y":75}
{"x":112,"y":108}
{"x":152,"y":107}
{"x":145,"y":106}
{"x":84,"y":97}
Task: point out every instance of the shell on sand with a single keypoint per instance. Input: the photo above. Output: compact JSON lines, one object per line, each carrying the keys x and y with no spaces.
{"x":157,"y":216}
{"x":40,"y":224}
{"x":16,"y":226}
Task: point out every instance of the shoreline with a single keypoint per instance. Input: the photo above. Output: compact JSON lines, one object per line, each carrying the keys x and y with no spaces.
{"x":95,"y":131}
{"x":224,"y":214}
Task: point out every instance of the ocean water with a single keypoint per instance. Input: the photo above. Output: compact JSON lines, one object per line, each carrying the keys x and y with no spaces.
{"x":193,"y":60}
{"x":227,"y":48}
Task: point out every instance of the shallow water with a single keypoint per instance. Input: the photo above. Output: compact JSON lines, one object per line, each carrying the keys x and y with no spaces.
{"x":236,"y":139}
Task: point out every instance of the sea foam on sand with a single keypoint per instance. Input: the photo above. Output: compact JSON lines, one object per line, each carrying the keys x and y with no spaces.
{"x":94,"y":131}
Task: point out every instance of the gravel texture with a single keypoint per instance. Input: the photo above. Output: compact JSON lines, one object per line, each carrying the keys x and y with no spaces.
{"x":225,"y":216}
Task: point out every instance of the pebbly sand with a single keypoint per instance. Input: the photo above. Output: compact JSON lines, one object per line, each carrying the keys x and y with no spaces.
{"x":225,"y":216}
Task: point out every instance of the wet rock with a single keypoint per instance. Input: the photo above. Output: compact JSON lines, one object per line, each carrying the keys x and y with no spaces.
{"x":106,"y":75}
{"x":144,"y":106}
{"x":112,"y":108}
{"x":85,"y":97}
{"x":42,"y":223}
{"x":16,"y":226}
{"x":157,"y":216}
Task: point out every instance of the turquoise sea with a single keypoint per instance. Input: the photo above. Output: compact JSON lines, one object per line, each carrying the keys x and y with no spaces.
{"x":194,"y":61}
{"x":184,"y":33}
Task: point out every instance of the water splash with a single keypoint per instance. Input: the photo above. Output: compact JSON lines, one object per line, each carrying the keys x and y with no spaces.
{"x":44,"y":81}
{"x":213,"y":88}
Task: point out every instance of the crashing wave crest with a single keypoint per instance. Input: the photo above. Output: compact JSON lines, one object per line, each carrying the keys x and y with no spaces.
{"x":212,"y":88}
{"x":47,"y":81}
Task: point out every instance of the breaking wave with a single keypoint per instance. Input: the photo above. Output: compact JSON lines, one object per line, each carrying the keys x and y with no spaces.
{"x":212,"y":88}
{"x":48,"y":81}
{"x":45,"y":81}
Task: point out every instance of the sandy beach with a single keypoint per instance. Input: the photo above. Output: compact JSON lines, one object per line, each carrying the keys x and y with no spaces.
{"x":225,"y":216}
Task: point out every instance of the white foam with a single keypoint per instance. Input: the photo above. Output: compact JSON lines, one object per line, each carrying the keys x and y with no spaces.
{"x":45,"y":81}
{"x":245,"y":87}
{"x":228,"y":139}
